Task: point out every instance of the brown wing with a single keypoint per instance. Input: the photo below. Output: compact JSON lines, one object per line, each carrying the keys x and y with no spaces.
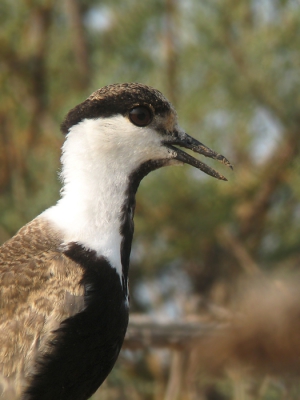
{"x":39,"y":287}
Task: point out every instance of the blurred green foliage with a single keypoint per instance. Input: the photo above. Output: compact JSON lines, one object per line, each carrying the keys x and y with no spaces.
{"x":230,"y":67}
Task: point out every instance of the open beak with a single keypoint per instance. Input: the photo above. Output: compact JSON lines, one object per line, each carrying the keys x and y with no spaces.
{"x":182,"y":139}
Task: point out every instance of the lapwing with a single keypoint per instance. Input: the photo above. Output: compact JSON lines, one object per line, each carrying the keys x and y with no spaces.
{"x":64,"y":276}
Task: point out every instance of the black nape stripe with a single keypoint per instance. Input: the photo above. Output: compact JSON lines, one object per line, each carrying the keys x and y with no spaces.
{"x":87,"y":344}
{"x":127,"y":225}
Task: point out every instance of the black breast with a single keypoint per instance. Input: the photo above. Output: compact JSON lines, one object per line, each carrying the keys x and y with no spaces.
{"x":87,"y":344}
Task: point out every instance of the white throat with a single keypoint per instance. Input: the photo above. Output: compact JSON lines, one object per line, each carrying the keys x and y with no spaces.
{"x":98,"y":157}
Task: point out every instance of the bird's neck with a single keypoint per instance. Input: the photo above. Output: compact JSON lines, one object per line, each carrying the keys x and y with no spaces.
{"x":97,"y":206}
{"x":101,"y":174}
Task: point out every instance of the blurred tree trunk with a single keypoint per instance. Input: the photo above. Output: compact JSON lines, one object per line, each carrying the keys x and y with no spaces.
{"x":171,"y":50}
{"x":80,"y":45}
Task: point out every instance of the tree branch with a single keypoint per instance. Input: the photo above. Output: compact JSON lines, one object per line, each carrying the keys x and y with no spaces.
{"x":144,"y":332}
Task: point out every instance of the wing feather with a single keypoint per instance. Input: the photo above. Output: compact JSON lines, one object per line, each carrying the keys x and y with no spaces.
{"x":39,"y":288}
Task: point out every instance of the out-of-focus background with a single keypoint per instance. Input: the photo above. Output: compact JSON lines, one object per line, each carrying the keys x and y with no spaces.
{"x":232,"y":70}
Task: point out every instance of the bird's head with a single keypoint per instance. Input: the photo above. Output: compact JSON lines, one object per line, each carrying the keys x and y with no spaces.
{"x":135,"y":128}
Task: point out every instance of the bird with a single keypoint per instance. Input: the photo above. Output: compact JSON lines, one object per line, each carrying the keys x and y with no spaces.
{"x":64,"y":297}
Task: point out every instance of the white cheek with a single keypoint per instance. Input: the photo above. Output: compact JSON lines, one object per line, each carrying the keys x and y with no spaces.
{"x":120,"y":140}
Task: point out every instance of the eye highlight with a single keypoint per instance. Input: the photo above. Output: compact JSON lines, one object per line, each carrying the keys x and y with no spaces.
{"x":140,"y":116}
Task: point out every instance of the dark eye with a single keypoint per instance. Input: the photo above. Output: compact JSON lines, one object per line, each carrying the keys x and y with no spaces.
{"x":140,"y":116}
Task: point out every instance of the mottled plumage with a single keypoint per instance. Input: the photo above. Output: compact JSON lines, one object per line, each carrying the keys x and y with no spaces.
{"x":39,"y":288}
